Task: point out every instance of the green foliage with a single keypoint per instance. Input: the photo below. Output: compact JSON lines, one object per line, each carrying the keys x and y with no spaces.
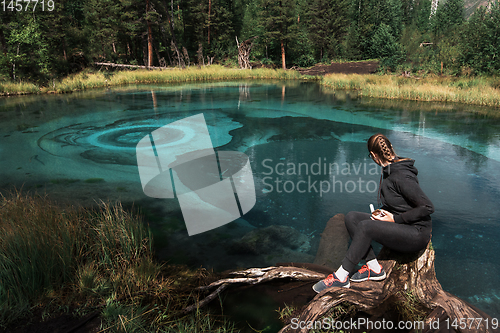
{"x":327,"y":23}
{"x":43,"y":46}
{"x":448,"y":16}
{"x":421,"y":17}
{"x":449,"y":54}
{"x":385,"y":47}
{"x":28,"y":49}
{"x":371,"y":20}
{"x":480,"y":42}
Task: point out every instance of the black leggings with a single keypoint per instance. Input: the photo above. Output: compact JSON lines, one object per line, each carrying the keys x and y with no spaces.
{"x":398,"y":237}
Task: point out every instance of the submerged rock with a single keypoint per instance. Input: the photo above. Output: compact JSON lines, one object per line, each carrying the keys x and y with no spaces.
{"x":275,"y":239}
{"x":334,"y":243}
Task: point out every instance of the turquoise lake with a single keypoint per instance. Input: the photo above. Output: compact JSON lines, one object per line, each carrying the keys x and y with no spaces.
{"x":307,"y":151}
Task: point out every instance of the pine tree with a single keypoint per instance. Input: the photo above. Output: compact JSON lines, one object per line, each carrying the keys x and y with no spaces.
{"x":327,"y":24}
{"x":276,"y":18}
{"x":480,"y":41}
{"x":448,"y":16}
{"x":366,"y":17}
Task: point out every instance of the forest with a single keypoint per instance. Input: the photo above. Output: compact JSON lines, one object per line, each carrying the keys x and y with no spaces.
{"x":46,"y":40}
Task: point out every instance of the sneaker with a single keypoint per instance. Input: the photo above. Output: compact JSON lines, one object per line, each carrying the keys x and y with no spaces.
{"x":330,"y":282}
{"x":365,"y":273}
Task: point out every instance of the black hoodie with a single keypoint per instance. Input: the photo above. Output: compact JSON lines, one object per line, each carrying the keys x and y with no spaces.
{"x":401,"y":194}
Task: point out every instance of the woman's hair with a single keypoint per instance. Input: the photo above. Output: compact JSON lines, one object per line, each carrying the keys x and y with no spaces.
{"x":380,"y":145}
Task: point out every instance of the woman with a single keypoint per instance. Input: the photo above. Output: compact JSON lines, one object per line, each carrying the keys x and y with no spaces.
{"x":405,"y":224}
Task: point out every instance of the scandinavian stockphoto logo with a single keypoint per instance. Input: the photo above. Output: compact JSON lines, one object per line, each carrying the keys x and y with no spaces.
{"x":178,"y":161}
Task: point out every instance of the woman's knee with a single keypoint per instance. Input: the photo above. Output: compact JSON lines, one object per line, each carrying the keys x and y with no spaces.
{"x":353,"y":218}
{"x":365,"y":225}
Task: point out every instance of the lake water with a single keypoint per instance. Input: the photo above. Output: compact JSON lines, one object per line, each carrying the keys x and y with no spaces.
{"x":307,"y":150}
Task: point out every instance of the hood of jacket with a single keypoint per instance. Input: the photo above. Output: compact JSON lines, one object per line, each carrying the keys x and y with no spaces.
{"x":404,"y":165}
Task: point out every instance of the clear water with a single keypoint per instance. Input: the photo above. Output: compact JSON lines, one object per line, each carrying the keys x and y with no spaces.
{"x":81,"y":148}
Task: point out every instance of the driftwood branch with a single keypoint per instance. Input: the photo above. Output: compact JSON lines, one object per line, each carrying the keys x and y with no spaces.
{"x":255,"y":276}
{"x":206,"y":300}
{"x":260,"y":275}
{"x":110,"y":64}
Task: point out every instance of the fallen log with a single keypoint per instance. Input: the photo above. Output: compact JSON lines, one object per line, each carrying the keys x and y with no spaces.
{"x":409,"y":277}
{"x":110,"y":64}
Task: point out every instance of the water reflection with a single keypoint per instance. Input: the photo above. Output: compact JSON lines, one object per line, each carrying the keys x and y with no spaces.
{"x":59,"y":143}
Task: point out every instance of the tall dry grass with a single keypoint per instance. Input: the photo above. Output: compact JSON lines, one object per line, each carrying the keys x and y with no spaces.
{"x":22,"y":88}
{"x":83,"y":81}
{"x":477,"y":91}
{"x":44,"y":248}
{"x":55,"y":259}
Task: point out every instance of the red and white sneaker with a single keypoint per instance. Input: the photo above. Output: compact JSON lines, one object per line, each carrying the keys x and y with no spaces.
{"x":365,"y":273}
{"x":331,"y":281}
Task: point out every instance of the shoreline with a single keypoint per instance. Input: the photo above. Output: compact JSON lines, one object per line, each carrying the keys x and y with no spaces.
{"x":480,"y":91}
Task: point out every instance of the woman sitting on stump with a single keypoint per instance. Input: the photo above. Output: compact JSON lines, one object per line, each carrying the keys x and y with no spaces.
{"x":402,"y":224}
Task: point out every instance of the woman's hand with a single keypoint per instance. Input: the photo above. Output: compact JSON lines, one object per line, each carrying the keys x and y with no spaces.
{"x":385,"y":216}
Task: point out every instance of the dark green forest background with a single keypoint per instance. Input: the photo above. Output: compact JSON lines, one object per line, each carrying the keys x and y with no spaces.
{"x":40,"y":46}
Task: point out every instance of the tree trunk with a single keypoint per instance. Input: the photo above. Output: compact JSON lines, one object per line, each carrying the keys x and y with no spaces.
{"x":409,"y":277}
{"x":283,"y":55}
{"x":199,"y":53}
{"x":209,"y":13}
{"x":282,"y":32}
{"x":150,"y":36}
{"x":64,"y":49}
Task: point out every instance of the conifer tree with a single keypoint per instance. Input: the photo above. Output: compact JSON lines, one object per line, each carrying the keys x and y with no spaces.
{"x":275,"y":18}
{"x":327,"y":24}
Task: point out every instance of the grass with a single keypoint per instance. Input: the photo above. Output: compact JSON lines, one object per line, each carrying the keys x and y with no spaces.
{"x":285,"y":313}
{"x":339,"y":313}
{"x":481,"y":91}
{"x":90,"y":80}
{"x":476,"y":91}
{"x":22,"y":88}
{"x":56,"y":260}
{"x":409,"y":307}
{"x":85,"y":81}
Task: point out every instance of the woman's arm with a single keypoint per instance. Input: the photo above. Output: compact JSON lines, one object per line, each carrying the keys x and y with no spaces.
{"x":410,"y":190}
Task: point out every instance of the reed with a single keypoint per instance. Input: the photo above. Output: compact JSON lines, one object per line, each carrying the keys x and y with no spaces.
{"x":55,"y":259}
{"x":22,"y":88}
{"x":83,"y":81}
{"x":44,"y":248}
{"x":476,"y":91}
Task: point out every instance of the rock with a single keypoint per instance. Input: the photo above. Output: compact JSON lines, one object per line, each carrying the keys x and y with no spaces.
{"x":334,"y":243}
{"x":275,"y":239}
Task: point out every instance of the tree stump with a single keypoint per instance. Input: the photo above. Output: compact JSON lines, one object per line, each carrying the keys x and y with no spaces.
{"x":409,"y":276}
{"x":244,"y":49}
